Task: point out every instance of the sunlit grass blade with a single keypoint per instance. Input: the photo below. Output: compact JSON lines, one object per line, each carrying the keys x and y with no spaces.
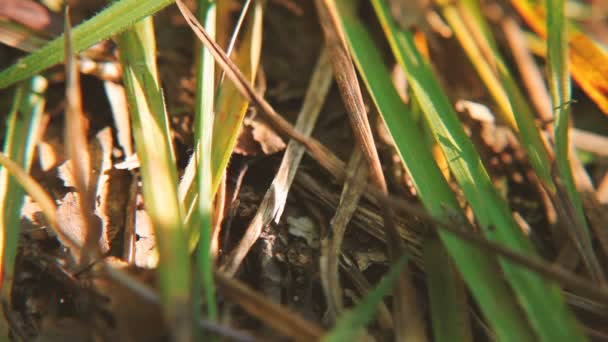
{"x":351,"y":322}
{"x":231,"y":106}
{"x":113,"y":20}
{"x":541,"y":300}
{"x":478,"y":270}
{"x":22,"y":126}
{"x":159,"y":174}
{"x":230,"y":109}
{"x":203,"y":111}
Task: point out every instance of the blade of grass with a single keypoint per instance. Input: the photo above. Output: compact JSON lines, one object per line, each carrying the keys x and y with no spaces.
{"x":542,"y":300}
{"x":22,"y":126}
{"x":112,"y":20}
{"x":159,"y":175}
{"x":351,"y":323}
{"x":588,"y":61}
{"x":230,"y":108}
{"x":479,"y":271}
{"x":559,"y":85}
{"x":203,"y":135}
{"x":447,"y":295}
{"x":521,"y":112}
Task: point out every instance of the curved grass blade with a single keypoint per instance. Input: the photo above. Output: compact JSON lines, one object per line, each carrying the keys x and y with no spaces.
{"x":478,"y":270}
{"x":541,"y":300}
{"x":112,"y":20}
{"x":39,"y":195}
{"x":159,"y":175}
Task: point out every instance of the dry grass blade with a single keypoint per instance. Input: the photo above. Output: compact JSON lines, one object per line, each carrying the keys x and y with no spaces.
{"x":408,"y":320}
{"x":529,"y":71}
{"x":273,"y":203}
{"x":39,"y":195}
{"x":76,"y":148}
{"x":348,"y":83}
{"x":266,"y":311}
{"x":354,"y":185}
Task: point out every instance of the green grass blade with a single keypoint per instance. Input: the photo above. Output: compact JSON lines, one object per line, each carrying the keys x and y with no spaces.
{"x":559,"y":85}
{"x":503,"y":88}
{"x":350,"y":323}
{"x":203,"y":109}
{"x":449,"y":309}
{"x":541,"y":300}
{"x":230,"y":108}
{"x":522,"y":113}
{"x":479,"y":271}
{"x":22,"y":126}
{"x":159,"y":174}
{"x":112,"y":20}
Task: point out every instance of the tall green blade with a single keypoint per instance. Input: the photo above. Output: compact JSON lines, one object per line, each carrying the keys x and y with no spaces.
{"x":541,"y":300}
{"x":159,"y":174}
{"x":22,"y":126}
{"x":479,"y":271}
{"x":203,"y":109}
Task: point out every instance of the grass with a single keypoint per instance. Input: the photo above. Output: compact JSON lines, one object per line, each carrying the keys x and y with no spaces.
{"x":203,"y":112}
{"x":515,"y":303}
{"x":22,"y":123}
